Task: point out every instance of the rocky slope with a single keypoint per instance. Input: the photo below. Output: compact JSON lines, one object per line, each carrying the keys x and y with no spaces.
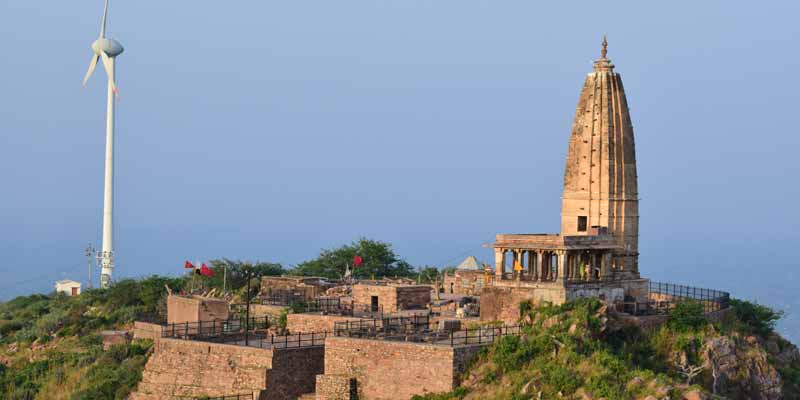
{"x":585,"y":351}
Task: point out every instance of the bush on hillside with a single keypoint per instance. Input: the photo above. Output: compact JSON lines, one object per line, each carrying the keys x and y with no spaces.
{"x":687,"y":316}
{"x":755,"y":318}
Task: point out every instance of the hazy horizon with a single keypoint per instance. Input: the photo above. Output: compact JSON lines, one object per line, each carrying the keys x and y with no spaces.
{"x":268,"y":131}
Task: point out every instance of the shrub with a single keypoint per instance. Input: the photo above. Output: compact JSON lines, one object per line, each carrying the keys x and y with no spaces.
{"x":687,"y":316}
{"x":754,"y":317}
{"x":560,"y":378}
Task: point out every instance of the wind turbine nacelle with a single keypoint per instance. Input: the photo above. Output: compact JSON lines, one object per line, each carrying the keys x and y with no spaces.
{"x":111,"y":47}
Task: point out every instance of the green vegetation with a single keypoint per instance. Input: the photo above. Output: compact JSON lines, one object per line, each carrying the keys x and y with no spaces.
{"x":687,"y":316}
{"x":379,"y":260}
{"x":580,"y":350}
{"x":755,"y":318}
{"x":235,"y":277}
{"x":50,"y":345}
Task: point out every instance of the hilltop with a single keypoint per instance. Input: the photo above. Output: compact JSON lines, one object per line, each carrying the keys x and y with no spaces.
{"x":581,"y":351}
{"x":50,"y":348}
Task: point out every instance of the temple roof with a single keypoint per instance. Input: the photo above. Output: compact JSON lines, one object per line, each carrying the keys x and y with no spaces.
{"x":545,"y":241}
{"x":600,"y":180}
{"x":470,"y":263}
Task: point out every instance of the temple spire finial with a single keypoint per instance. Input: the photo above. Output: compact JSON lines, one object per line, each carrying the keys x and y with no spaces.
{"x":604,"y":50}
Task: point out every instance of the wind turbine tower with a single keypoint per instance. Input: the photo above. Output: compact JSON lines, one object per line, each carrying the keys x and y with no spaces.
{"x":107,"y":50}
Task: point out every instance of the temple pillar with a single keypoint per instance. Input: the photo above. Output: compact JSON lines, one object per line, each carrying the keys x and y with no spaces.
{"x":605,"y":266}
{"x":531,"y":264}
{"x":499,"y":263}
{"x":548,"y":266}
{"x":539,"y":265}
{"x":561,"y":273}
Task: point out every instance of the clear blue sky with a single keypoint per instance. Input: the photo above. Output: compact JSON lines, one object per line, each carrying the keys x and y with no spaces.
{"x":270,"y":130}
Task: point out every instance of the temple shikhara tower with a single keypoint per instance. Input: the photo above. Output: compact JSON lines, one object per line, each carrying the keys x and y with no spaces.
{"x":596,"y":254}
{"x":600,"y":195}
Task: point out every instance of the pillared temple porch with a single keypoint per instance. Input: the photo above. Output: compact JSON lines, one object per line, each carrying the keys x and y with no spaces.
{"x":556,"y":258}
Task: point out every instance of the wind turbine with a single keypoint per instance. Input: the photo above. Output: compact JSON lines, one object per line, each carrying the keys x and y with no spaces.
{"x":107,"y":50}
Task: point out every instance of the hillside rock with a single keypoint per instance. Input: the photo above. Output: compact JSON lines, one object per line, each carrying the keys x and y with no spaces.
{"x":741,"y":372}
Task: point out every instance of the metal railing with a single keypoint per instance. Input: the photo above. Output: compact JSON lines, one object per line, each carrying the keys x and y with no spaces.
{"x":248,"y":396}
{"x":664,"y":295}
{"x":382,"y":326}
{"x":268,"y":341}
{"x":282,"y":298}
{"x":241,"y":332}
{"x":420,"y":329}
{"x":334,"y":305}
{"x":483,"y":335}
{"x":215,"y":328}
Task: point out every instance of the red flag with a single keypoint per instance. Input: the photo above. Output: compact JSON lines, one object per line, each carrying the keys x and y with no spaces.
{"x":188,"y":265}
{"x":205,"y":271}
{"x":357,"y":261}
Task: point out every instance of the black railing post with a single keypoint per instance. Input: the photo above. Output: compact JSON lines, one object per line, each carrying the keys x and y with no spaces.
{"x":247,"y":311}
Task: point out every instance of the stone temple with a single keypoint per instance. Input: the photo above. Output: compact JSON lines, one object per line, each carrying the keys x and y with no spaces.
{"x":596,"y":254}
{"x":387,"y":339}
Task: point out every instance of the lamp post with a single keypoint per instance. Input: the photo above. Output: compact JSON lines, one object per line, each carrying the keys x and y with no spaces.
{"x":89,"y":253}
{"x":248,"y":274}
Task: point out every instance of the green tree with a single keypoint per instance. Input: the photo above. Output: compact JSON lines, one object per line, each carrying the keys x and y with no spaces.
{"x":687,"y":316}
{"x":429,"y":274}
{"x":754,"y":317}
{"x":235,"y":276}
{"x":379,"y":260}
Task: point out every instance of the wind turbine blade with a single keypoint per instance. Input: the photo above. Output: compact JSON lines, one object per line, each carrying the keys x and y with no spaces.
{"x":103,"y":23}
{"x":92,"y":66}
{"x":108,"y":64}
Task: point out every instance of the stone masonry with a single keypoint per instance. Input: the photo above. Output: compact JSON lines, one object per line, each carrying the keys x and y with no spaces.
{"x":190,"y":309}
{"x":314,"y":322}
{"x":191,"y":368}
{"x":600,"y":181}
{"x":388,"y":370}
{"x":392,"y":298}
{"x":336,"y":387}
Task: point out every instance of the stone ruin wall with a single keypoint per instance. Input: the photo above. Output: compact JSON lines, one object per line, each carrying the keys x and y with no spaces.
{"x":147,"y":330}
{"x":502,"y":303}
{"x":393,"y":298}
{"x":262,"y":310}
{"x":270,"y":283}
{"x":611,"y":290}
{"x":387,"y":370}
{"x":413,"y":297}
{"x":387,"y":296}
{"x":307,"y":322}
{"x":182,"y":309}
{"x":192,"y":368}
{"x":467,"y":283}
{"x":294,"y":372}
{"x":336,"y":387}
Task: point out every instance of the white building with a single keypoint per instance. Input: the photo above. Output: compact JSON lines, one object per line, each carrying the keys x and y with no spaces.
{"x":68,"y":287}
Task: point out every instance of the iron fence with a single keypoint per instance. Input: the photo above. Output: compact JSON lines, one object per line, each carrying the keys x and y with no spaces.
{"x":268,"y":341}
{"x":334,"y":305}
{"x":381,"y":326}
{"x":483,"y":335}
{"x":215,"y":328}
{"x":421,"y":329}
{"x":248,"y":396}
{"x":282,"y":298}
{"x":664,"y":295}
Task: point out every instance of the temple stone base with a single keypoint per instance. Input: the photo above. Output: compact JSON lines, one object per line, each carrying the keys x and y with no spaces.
{"x":637,"y":290}
{"x":500,"y":302}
